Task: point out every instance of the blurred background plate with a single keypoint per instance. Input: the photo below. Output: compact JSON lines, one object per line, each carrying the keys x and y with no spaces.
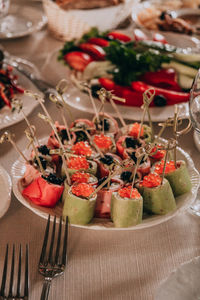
{"x":5,"y":191}
{"x":24,"y":18}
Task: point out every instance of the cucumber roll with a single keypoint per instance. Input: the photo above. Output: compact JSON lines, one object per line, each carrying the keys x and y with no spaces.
{"x":126,"y":207}
{"x":177,"y":176}
{"x":77,"y":206}
{"x":158,"y":197}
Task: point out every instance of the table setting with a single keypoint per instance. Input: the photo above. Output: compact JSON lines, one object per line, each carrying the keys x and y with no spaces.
{"x":99,"y":148}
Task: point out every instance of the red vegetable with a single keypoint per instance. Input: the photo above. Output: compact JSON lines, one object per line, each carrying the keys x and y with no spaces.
{"x":78,"y":60}
{"x":115,"y":35}
{"x":164,"y":78}
{"x":98,"y":41}
{"x":43,"y":193}
{"x":107,"y":83}
{"x":96,"y":52}
{"x":157,"y":37}
{"x":3,"y":96}
{"x":172,"y":97}
{"x":139,"y":35}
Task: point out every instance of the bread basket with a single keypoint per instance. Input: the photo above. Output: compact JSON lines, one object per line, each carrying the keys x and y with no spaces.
{"x":72,"y":24}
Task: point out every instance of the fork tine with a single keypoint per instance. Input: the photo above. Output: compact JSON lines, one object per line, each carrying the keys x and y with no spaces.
{"x":58,"y":242}
{"x":3,"y":282}
{"x":52,"y":241}
{"x":19,"y":272}
{"x":64,"y":254}
{"x":26,"y":281}
{"x":12,"y":273}
{"x":42,"y":256}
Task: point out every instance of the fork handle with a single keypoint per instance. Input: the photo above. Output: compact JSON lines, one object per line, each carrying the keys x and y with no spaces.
{"x":46,"y":288}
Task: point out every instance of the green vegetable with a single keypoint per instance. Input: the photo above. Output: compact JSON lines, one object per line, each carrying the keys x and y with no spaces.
{"x":131,"y":63}
{"x":181,"y":68}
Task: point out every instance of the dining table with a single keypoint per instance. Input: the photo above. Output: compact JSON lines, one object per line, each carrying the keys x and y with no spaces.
{"x":101,"y":264}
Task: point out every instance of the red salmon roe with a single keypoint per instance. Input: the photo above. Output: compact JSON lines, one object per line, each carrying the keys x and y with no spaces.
{"x":159,"y":154}
{"x":170,"y":167}
{"x":80,"y":177}
{"x":135,"y":129}
{"x":77,"y":163}
{"x":151,"y":180}
{"x":102,"y":141}
{"x":82,"y":190}
{"x":126,"y":193}
{"x":82,"y":148}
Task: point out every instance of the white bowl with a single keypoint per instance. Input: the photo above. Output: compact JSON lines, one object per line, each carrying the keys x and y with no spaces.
{"x":69,"y":24}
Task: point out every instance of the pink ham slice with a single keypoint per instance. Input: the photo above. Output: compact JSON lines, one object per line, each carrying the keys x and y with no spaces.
{"x":30,"y":174}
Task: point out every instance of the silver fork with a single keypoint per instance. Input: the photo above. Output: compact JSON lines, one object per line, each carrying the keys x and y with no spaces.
{"x":19,"y":294}
{"x":51,"y":265}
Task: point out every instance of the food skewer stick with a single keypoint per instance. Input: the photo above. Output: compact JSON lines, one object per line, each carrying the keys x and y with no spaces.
{"x":64,"y":157}
{"x":108,"y":95}
{"x":59,"y":105}
{"x":88,"y":89}
{"x":30,"y":137}
{"x":7,"y":137}
{"x":104,"y":182}
{"x":140,"y":153}
{"x":171,"y":144}
{"x":177,"y":133}
{"x":61,"y":89}
{"x":147,"y":99}
{"x":18,"y":104}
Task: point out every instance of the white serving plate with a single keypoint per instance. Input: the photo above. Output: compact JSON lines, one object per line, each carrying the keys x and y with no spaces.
{"x":183,"y":202}
{"x":5,"y":191}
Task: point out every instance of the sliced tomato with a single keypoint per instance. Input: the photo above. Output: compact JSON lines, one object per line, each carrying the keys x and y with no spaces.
{"x":115,"y":35}
{"x":99,"y":41}
{"x":96,"y":52}
{"x":139,"y":35}
{"x":78,"y":60}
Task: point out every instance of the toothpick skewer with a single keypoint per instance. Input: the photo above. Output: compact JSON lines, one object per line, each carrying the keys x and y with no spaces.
{"x":140,"y":153}
{"x":88,"y":89}
{"x":7,"y":137}
{"x":61,"y":89}
{"x":30,"y":137}
{"x":59,"y":105}
{"x":18,"y":104}
{"x":170,"y":146}
{"x":147,"y":99}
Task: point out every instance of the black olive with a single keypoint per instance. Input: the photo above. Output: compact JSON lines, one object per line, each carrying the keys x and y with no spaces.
{"x":81,"y":136}
{"x":134,"y":158}
{"x":43,"y":162}
{"x":160,"y":100}
{"x":125,"y":176}
{"x":64,"y":135}
{"x":52,"y":178}
{"x":101,"y":180}
{"x":163,"y":14}
{"x":95,"y":88}
{"x":132,"y":143}
{"x":43,"y":149}
{"x":106,"y":124}
{"x":2,"y":103}
{"x":107,"y":160}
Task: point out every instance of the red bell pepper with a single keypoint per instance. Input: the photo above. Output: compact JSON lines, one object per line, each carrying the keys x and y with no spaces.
{"x":115,"y":35}
{"x":43,"y":193}
{"x":157,"y":37}
{"x":96,"y":52}
{"x":164,"y":78}
{"x":172,"y":97}
{"x":99,"y":41}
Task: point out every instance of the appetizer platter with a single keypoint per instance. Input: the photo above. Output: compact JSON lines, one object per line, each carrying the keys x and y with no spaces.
{"x":5,"y":189}
{"x":102,"y":175}
{"x":13,"y":83}
{"x":155,"y":64}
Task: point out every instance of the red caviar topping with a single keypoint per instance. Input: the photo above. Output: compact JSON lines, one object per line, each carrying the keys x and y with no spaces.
{"x":126,"y":192}
{"x":77,"y":163}
{"x":159,"y":154}
{"x":82,"y":148}
{"x":80,"y":177}
{"x":170,"y":167}
{"x":82,"y":190}
{"x":135,"y":129}
{"x":151,"y":180}
{"x":102,"y":141}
